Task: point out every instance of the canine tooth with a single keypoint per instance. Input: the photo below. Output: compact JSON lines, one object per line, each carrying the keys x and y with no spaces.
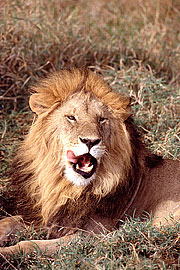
{"x":77,"y":166}
{"x":89,"y":168}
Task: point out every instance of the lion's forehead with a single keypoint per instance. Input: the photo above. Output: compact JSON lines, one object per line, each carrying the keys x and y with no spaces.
{"x":84,"y":105}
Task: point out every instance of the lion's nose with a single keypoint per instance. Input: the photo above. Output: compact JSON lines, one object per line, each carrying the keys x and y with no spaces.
{"x":90,"y":142}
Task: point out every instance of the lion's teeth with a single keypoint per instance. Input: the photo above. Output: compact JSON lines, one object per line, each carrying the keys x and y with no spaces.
{"x":77,"y":166}
{"x":88,"y":169}
{"x":85,"y":169}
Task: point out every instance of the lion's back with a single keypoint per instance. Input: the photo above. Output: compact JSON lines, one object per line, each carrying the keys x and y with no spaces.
{"x":159,"y":193}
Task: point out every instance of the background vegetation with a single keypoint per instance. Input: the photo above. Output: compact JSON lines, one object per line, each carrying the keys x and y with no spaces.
{"x":135,"y":45}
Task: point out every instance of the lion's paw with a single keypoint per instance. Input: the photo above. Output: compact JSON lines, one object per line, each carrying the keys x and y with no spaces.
{"x":8,"y":226}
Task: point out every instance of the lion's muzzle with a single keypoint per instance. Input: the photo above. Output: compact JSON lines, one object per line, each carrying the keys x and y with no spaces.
{"x":84,"y":165}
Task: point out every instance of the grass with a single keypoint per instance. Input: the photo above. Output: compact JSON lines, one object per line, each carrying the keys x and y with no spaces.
{"x":135,"y":46}
{"x":136,"y":245}
{"x":43,"y":36}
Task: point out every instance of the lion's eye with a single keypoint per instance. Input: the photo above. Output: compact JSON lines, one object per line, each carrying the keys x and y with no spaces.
{"x":71,"y":117}
{"x":102,"y":120}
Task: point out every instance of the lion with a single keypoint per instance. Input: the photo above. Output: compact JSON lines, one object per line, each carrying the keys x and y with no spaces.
{"x":83,"y":166}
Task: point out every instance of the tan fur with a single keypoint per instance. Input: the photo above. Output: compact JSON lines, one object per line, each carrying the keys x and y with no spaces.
{"x":126,"y":171}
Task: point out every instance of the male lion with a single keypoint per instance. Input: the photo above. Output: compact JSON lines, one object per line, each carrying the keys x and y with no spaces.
{"x":83,"y":166}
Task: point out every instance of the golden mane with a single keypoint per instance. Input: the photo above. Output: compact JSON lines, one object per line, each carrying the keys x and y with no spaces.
{"x":38,"y":170}
{"x":60,"y":85}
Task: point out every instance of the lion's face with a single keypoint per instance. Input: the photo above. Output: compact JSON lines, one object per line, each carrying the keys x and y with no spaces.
{"x":79,"y":134}
{"x":84,"y":131}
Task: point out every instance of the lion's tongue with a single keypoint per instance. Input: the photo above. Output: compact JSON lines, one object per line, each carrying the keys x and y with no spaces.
{"x":84,"y":161}
{"x":71,"y":157}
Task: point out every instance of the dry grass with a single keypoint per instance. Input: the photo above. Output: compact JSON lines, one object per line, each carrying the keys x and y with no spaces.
{"x":135,"y":45}
{"x":40,"y":36}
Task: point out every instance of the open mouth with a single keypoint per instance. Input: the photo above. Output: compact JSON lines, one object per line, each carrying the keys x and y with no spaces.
{"x":85,"y":164}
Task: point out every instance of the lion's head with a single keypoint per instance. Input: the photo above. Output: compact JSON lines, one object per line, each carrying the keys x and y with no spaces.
{"x":78,"y":139}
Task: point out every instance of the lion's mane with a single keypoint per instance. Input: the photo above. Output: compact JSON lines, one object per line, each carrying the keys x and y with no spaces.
{"x":40,"y":191}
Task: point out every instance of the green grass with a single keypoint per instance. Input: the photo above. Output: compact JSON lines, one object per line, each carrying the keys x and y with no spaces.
{"x":135,"y":46}
{"x":136,"y":245}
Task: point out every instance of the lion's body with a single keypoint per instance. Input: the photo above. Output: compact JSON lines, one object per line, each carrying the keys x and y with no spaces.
{"x":83,"y":164}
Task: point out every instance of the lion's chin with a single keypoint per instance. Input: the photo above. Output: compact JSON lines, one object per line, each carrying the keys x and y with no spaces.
{"x":76,"y":178}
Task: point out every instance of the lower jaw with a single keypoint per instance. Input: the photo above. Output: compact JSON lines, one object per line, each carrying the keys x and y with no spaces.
{"x":84,"y":174}
{"x":77,"y":179}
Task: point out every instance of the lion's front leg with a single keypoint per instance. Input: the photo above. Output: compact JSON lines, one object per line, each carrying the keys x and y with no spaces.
{"x":48,"y":246}
{"x":9,"y":226}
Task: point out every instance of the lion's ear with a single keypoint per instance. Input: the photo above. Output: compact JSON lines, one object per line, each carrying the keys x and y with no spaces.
{"x":126,"y":108}
{"x":36,"y":104}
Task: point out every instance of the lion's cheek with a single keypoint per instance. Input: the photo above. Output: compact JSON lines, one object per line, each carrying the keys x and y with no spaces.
{"x":98,"y":152}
